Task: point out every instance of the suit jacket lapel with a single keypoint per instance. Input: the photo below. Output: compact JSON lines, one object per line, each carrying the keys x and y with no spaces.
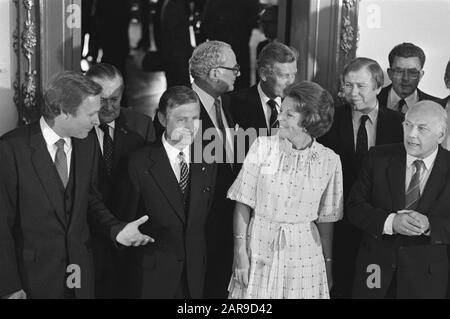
{"x":382,"y":131}
{"x":435,"y":182}
{"x":45,"y":170}
{"x":255,"y":107}
{"x":346,"y":131}
{"x":162,"y":172}
{"x":396,"y":175}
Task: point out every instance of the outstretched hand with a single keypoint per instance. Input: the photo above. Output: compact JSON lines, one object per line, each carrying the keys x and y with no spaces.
{"x":131,"y":236}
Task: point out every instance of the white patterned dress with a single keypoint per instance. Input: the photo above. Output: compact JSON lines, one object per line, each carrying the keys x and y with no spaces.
{"x":289,"y":191}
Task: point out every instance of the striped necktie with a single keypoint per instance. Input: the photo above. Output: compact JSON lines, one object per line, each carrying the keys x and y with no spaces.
{"x":412,"y":195}
{"x":184,"y":172}
{"x":61,"y":162}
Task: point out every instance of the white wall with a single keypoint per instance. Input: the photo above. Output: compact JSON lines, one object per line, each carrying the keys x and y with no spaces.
{"x":8,"y":111}
{"x":386,"y":23}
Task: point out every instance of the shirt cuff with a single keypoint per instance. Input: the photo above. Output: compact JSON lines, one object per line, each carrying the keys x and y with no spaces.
{"x":387,"y":230}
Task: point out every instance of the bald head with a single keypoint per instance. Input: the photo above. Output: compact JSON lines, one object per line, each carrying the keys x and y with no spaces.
{"x":425,"y":127}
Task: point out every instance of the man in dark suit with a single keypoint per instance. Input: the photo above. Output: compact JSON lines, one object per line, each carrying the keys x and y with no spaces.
{"x":214,"y":69}
{"x":170,"y":181}
{"x":358,"y":125}
{"x":121,"y":132}
{"x":257,"y":107}
{"x":400,"y":201}
{"x":47,"y":193}
{"x":405,"y":71}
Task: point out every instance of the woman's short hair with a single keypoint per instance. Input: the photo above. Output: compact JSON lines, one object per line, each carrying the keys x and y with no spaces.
{"x":176,"y":96}
{"x":315,"y":104}
{"x":66,"y":91}
{"x":207,"y":56}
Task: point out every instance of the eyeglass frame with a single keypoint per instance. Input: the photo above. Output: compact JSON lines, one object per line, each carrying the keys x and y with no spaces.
{"x":399,"y":72}
{"x":236,"y":69}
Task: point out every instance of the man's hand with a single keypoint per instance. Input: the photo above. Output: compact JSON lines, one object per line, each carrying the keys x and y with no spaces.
{"x":406,"y":224}
{"x":422,"y":219}
{"x":131,"y":236}
{"x":17,"y":295}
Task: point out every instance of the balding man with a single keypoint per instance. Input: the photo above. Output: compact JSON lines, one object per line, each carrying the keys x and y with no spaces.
{"x":400,"y":202}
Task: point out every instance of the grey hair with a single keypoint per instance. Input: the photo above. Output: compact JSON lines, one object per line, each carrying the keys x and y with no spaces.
{"x":207,"y":56}
{"x":440,"y":112}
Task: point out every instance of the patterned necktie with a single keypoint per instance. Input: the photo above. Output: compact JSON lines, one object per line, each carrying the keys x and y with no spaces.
{"x":362,"y":143}
{"x":184,"y":172}
{"x":400,"y":105}
{"x":107,"y":148}
{"x":273,"y":120}
{"x":412,"y":195}
{"x":221,"y":126}
{"x":61,"y":162}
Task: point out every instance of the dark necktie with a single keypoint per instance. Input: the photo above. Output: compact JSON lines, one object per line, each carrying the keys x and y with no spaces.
{"x":220,"y":124}
{"x":362,"y":143}
{"x":61,"y":162}
{"x":273,"y":120}
{"x":412,"y":195}
{"x":400,"y":105}
{"x":184,"y":172}
{"x":107,"y":148}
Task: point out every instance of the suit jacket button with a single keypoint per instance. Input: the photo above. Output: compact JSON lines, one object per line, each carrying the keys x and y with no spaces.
{"x":203,"y":168}
{"x":206,"y":189}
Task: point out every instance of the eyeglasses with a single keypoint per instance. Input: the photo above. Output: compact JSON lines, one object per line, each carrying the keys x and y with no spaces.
{"x":235,"y":69}
{"x":410,"y":73}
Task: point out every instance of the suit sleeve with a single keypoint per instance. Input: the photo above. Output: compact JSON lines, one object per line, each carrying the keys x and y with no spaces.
{"x":360,"y":209}
{"x":128,"y":198}
{"x":9,"y":275}
{"x":101,"y":218}
{"x":439,"y":218}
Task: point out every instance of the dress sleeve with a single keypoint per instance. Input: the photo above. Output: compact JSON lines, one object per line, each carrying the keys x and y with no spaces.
{"x":331,"y":206}
{"x":243,"y":189}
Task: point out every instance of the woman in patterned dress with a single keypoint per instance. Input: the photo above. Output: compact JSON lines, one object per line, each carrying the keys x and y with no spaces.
{"x":288,"y":194}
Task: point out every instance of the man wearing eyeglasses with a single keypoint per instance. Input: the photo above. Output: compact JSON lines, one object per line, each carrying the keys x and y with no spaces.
{"x":121,"y":131}
{"x":258,"y":106}
{"x":214,"y":68}
{"x":405,"y":71}
{"x":358,"y":125}
{"x":401,"y":202}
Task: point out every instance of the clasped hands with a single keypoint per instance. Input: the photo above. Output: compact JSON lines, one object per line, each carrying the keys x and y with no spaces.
{"x":131,"y":236}
{"x":410,"y":223}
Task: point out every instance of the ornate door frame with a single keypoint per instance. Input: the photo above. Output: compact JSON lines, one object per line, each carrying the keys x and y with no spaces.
{"x":326,"y":34}
{"x":46,"y":40}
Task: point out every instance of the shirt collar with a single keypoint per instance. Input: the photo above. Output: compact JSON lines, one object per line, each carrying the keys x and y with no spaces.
{"x":50,"y":135}
{"x":111,"y":124}
{"x":410,"y":100}
{"x":265,"y":98}
{"x":172,"y":152}
{"x":206,"y":99}
{"x":373,"y":115}
{"x":428,"y":161}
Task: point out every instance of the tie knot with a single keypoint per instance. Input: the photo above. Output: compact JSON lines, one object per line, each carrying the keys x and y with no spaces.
{"x":181,"y":156}
{"x":364,"y":119}
{"x":418,"y":164}
{"x":104,"y":127}
{"x":60,"y":143}
{"x":401,"y":103}
{"x":272,"y":104}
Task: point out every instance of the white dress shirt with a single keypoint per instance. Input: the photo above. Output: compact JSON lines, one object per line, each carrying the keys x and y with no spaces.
{"x":410,"y":170}
{"x":264,"y":99}
{"x":172,"y":153}
{"x":100,"y":133}
{"x":393,"y":100}
{"x":371,"y":126}
{"x":51,"y":138}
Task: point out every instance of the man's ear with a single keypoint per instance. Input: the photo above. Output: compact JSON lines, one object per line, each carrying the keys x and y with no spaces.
{"x":213,"y":74}
{"x":162,"y":118}
{"x":422,"y":72}
{"x":262,"y":74}
{"x":389,"y":73}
